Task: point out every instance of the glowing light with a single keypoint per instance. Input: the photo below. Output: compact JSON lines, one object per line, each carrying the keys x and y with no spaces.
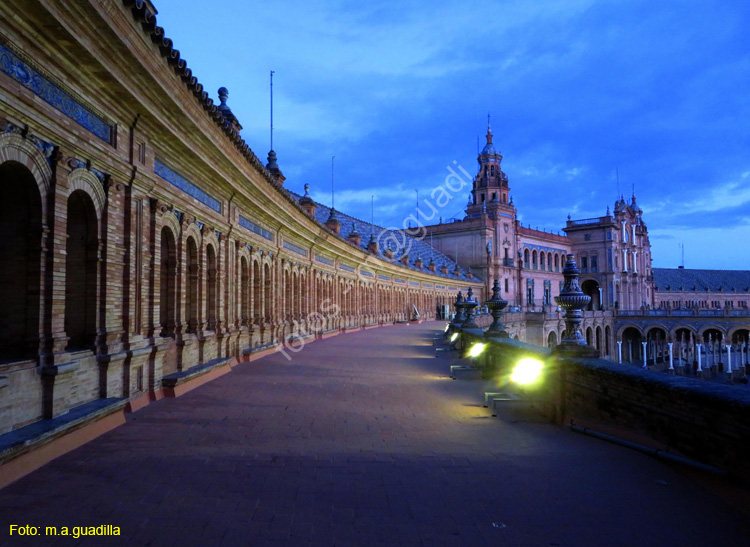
{"x":476,"y":349}
{"x":527,"y":371}
{"x":446,"y":327}
{"x":454,"y":336}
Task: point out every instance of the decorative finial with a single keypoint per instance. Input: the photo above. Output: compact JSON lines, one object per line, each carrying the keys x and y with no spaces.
{"x":307,"y":189}
{"x":223,"y":94}
{"x":607,"y":210}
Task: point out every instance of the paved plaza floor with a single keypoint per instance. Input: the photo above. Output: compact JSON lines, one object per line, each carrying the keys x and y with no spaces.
{"x":361,"y":439}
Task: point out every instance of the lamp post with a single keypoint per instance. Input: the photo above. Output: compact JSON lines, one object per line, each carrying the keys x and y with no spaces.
{"x":619,"y":350}
{"x":496,"y":304}
{"x":644,"y":344}
{"x":572,"y":300}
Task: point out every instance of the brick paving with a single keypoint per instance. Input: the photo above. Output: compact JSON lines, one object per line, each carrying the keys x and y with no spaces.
{"x":360,"y":440}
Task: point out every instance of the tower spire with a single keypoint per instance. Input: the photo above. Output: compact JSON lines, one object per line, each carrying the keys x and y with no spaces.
{"x":489,"y":130}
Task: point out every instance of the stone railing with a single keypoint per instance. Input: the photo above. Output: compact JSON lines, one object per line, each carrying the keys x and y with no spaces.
{"x":707,"y":422}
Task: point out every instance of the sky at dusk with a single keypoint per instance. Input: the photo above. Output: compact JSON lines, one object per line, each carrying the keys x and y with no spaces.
{"x":578,"y":91}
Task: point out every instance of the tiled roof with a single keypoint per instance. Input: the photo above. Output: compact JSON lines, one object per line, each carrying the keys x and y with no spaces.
{"x":684,"y":280}
{"x":396,"y":239}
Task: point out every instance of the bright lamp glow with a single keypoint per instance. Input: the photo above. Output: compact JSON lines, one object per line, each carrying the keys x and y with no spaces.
{"x":526,"y":371}
{"x":475,"y":350}
{"x":446,"y":327}
{"x":454,"y":336}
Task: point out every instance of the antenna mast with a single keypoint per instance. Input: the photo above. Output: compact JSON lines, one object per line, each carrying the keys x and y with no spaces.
{"x":272,"y":108}
{"x":682,"y":245}
{"x":332,"y":203}
{"x":617,"y":171}
{"x":417,"y":191}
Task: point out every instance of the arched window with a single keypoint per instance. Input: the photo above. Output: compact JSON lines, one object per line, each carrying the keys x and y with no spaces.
{"x":557,"y":263}
{"x":541,"y":261}
{"x":20,"y":255}
{"x":525,"y":258}
{"x":244,"y":291}
{"x":191,"y":285}
{"x":257,"y":293}
{"x":287,"y":295}
{"x":534,"y":260}
{"x":168,"y":282}
{"x":211,"y":292}
{"x":267,"y":292}
{"x":549,"y":261}
{"x":81,"y":271}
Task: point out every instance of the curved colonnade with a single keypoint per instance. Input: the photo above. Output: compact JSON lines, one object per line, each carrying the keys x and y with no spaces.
{"x":143,"y":237}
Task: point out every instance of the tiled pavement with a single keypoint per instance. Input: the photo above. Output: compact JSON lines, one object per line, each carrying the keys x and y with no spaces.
{"x":360,"y":440}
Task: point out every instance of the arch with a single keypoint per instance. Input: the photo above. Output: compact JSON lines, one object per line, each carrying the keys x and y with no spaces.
{"x":17,"y":150}
{"x":557,"y":262}
{"x":21,"y":221}
{"x":81,"y":268}
{"x":739,"y":335}
{"x":549,"y":261}
{"x":83,"y":180}
{"x":607,"y":340}
{"x":590,"y":287}
{"x":526,"y":258}
{"x":192,"y":271}
{"x":542,"y":256}
{"x":534,"y":263}
{"x":211,"y":287}
{"x":712,"y":332}
{"x":631,"y":342}
{"x":169,"y":220}
{"x":590,"y":336}
{"x":598,"y":340}
{"x":551,"y":339}
{"x":257,"y":292}
{"x":168,"y":282}
{"x":267,"y":291}
{"x":244,"y":290}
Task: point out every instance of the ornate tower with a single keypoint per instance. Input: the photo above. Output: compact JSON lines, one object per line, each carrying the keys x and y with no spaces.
{"x":491,"y":183}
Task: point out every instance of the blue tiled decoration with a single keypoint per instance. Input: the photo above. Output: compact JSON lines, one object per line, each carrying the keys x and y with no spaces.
{"x":366,"y":273}
{"x":392,"y":238}
{"x":249,"y":225}
{"x":295,"y":248}
{"x":13,"y":66}
{"x":185,"y":185}
{"x":399,"y":280}
{"x":414,"y":283}
{"x":440,"y":286}
{"x":346,"y":268}
{"x":384,"y":277}
{"x":324,"y":260}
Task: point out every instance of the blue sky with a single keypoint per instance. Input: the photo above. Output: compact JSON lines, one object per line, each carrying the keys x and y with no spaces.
{"x":579,"y":90}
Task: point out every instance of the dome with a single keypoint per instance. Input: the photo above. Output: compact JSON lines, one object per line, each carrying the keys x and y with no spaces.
{"x":489,"y":150}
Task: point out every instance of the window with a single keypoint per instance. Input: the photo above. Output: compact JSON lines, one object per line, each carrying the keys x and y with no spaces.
{"x":584,"y":263}
{"x":506,"y":285}
{"x":594,"y":264}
